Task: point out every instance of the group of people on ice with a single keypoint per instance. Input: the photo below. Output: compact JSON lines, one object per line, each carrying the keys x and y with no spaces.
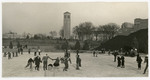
{"x":66,"y":59}
{"x":14,"y":53}
{"x":121,"y":60}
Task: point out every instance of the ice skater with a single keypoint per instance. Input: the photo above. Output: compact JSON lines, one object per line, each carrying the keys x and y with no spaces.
{"x":45,"y":61}
{"x":115,"y":55}
{"x":16,"y":54}
{"x":30,"y":61}
{"x":94,"y":53}
{"x":146,"y":61}
{"x":37,"y":61}
{"x":67,"y":54}
{"x":139,"y":61}
{"x":29,"y":50}
{"x":78,"y":62}
{"x":122,"y":61}
{"x":9,"y":55}
{"x":35,"y":53}
{"x":56,"y":63}
{"x":39,"y":51}
{"x":13,"y":54}
{"x":21,"y":49}
{"x":119,"y":61}
{"x":5,"y":54}
{"x":109,"y":52}
{"x":66,"y":63}
{"x":77,"y":51}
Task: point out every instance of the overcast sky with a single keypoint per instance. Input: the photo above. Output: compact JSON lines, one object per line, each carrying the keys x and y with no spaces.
{"x":45,"y":17}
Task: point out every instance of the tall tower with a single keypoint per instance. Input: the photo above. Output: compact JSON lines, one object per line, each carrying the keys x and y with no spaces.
{"x":66,"y":26}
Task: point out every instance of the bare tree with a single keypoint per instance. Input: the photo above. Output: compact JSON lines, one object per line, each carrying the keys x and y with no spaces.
{"x":84,"y":30}
{"x":53,"y":34}
{"x":61,"y":33}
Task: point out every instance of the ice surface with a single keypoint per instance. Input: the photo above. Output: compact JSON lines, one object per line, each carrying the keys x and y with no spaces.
{"x":101,"y":66}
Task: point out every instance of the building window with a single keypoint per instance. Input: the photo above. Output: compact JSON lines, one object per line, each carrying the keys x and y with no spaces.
{"x":68,"y":16}
{"x":64,"y":16}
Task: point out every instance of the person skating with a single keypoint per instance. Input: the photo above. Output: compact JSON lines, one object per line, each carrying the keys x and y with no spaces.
{"x":78,"y":62}
{"x":13,"y":54}
{"x":139,"y":62}
{"x":56,"y":63}
{"x":30,"y":61}
{"x":45,"y":60}
{"x":66,"y":63}
{"x":94,"y":53}
{"x":35,"y":53}
{"x":137,"y":57}
{"x":119,"y":61}
{"x":39,"y":51}
{"x":16,"y":54}
{"x":122,"y":61}
{"x":77,"y":51}
{"x":146,"y":61}
{"x":67,"y":54}
{"x":5,"y":54}
{"x":29,"y":51}
{"x":109,"y":52}
{"x":21,"y":49}
{"x":9,"y":55}
{"x":37,"y":61}
{"x":115,"y":55}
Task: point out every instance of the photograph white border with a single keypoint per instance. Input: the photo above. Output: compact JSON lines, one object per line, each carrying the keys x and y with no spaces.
{"x":68,"y":78}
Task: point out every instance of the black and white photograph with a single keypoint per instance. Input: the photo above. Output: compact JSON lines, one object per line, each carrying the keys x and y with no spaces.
{"x":74,"y":39}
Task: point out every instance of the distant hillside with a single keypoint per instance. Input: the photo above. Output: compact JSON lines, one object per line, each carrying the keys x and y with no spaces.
{"x":121,"y":41}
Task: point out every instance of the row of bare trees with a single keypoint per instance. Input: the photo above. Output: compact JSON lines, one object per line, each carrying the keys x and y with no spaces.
{"x":87,"y":30}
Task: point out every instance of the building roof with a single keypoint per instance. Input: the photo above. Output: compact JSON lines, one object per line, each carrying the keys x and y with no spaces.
{"x":67,"y":12}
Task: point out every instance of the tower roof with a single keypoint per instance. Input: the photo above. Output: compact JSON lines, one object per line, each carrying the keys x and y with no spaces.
{"x":67,"y":12}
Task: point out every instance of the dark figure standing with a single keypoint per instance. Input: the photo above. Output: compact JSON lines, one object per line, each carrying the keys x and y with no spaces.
{"x":77,"y":51}
{"x":146,"y":61}
{"x":115,"y":55}
{"x":29,"y":51}
{"x":94,"y":53}
{"x":139,"y":62}
{"x":21,"y":49}
{"x":37,"y":61}
{"x":9,"y":55}
{"x":5,"y":54}
{"x":45,"y":60}
{"x":78,"y":62}
{"x":30,"y":61}
{"x":35,"y":53}
{"x":66,"y":64}
{"x":119,"y":61}
{"x":137,"y":57}
{"x":16,"y":54}
{"x":122,"y":61}
{"x":13,"y":54}
{"x":39,"y":51}
{"x":109,"y":52}
{"x":67,"y":54}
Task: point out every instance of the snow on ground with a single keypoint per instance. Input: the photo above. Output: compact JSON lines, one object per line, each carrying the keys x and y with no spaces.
{"x":101,"y":66}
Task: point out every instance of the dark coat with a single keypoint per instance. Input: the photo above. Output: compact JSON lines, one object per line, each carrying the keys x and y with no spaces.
{"x":30,"y":60}
{"x":122,"y":58}
{"x":78,"y":61}
{"x":37,"y":60}
{"x":139,"y":60}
